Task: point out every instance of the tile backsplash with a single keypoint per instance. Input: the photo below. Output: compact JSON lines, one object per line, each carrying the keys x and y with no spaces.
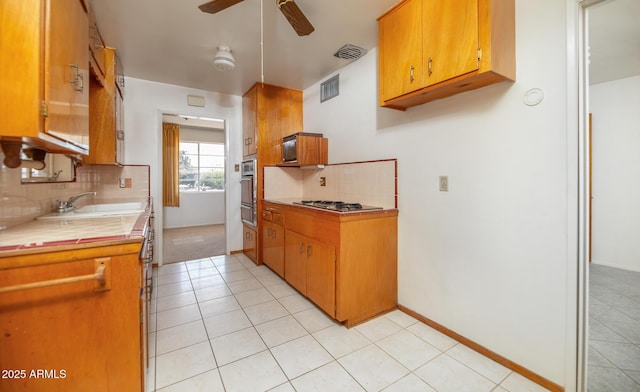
{"x":20,"y":203}
{"x":372,"y":183}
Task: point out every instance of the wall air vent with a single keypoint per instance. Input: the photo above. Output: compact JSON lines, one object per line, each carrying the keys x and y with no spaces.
{"x":330,"y":88}
{"x":350,"y":52}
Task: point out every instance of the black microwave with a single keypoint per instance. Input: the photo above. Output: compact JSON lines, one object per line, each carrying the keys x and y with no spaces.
{"x":290,"y":145}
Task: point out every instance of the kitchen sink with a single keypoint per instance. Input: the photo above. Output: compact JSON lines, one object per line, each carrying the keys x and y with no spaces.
{"x":98,"y":210}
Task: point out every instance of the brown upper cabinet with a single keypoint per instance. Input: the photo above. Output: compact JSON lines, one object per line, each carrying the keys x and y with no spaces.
{"x":431,"y":49}
{"x":44,"y":100}
{"x":309,"y":150}
{"x":97,"y":59}
{"x":106,"y":116}
{"x":249,"y":121}
{"x":268,"y":114}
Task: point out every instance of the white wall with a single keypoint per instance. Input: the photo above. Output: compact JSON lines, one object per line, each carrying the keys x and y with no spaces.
{"x":616,"y":173}
{"x":196,"y":209}
{"x":145,"y":102}
{"x":488,"y":259}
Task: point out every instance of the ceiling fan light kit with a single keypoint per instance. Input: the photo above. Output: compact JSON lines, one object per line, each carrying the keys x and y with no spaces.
{"x":224,"y":61}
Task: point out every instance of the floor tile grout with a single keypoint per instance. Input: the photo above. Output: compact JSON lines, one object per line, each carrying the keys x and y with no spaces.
{"x":281,"y":303}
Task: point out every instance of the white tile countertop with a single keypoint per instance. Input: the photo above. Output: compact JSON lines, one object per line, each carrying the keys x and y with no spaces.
{"x":49,"y":233}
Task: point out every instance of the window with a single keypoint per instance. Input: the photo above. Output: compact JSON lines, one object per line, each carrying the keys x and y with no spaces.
{"x":201,"y":166}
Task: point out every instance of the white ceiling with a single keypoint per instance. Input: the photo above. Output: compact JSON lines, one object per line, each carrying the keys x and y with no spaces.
{"x":172,"y":41}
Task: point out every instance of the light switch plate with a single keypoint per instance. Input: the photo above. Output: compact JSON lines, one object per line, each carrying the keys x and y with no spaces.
{"x":444,"y":183}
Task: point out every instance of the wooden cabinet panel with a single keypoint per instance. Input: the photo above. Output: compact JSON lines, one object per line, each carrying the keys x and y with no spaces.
{"x":106,"y":123}
{"x":321,"y":275}
{"x":249,"y":121}
{"x":401,"y":60}
{"x":345,"y":263}
{"x":249,"y":242}
{"x":45,"y":77}
{"x":295,"y":267}
{"x":88,"y":336}
{"x":431,"y":49}
{"x":96,"y":48}
{"x":450,"y":39}
{"x":273,"y":247}
{"x":268,"y":114}
{"x":310,"y":267}
{"x":68,"y":74}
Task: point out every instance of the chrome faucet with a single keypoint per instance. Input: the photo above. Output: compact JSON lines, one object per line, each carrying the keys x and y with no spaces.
{"x":65,"y":206}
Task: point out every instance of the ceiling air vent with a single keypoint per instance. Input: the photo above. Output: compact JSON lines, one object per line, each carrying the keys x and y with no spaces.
{"x":350,"y":52}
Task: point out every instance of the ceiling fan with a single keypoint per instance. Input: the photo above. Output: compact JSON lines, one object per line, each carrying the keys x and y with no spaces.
{"x":289,"y":9}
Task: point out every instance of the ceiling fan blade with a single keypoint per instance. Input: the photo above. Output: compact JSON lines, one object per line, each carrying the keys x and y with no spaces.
{"x":296,"y":18}
{"x":214,"y":6}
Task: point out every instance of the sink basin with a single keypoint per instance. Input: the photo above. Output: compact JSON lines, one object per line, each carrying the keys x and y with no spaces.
{"x":98,"y":210}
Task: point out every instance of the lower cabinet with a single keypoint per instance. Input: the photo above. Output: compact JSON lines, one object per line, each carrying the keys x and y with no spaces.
{"x":344,"y":263}
{"x":311,"y":269}
{"x":250,"y":242}
{"x":273,"y":247}
{"x":77,"y":335}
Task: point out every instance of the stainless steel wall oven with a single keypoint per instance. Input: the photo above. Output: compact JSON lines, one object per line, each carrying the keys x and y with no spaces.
{"x":249,"y":188}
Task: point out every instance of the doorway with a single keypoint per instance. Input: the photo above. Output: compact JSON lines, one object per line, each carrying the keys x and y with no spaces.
{"x":194,"y":228}
{"x":611,"y":301}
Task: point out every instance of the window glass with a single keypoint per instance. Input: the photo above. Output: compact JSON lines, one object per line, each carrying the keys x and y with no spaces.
{"x":201,"y":166}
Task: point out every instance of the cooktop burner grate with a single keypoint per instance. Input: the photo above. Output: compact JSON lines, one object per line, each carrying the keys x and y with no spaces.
{"x":337,"y":205}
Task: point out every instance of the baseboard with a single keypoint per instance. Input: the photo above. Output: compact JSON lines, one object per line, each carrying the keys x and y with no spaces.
{"x":550,"y":385}
{"x":613,"y":265}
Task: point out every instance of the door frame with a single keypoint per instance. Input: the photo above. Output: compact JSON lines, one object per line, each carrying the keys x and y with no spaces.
{"x":159,"y":214}
{"x":579,"y":202}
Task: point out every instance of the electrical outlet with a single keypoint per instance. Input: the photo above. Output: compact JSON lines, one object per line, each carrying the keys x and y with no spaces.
{"x":323,"y":181}
{"x":125,"y":183}
{"x":444,"y":183}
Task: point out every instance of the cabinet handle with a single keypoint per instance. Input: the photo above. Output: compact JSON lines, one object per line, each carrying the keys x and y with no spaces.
{"x":411,"y":71}
{"x":76,"y":78}
{"x":308,"y":250}
{"x":301,"y":248}
{"x":100,"y":275}
{"x":430,"y":66}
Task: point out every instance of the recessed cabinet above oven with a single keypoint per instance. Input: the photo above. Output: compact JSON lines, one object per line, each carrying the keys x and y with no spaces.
{"x":305,"y":149}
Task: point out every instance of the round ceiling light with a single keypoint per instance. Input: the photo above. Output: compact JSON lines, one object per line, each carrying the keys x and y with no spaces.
{"x":224,"y":61}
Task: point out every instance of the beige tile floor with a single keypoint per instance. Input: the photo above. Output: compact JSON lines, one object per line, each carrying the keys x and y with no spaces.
{"x":224,"y":324}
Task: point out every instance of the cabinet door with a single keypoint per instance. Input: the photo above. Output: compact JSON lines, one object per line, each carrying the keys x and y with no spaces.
{"x":295,"y":267}
{"x":400,"y":46}
{"x":119,"y":115}
{"x":273,"y":247}
{"x":450,"y":39}
{"x":249,"y":121}
{"x":67,"y":76}
{"x":321,"y":275}
{"x":250,"y":242}
{"x":92,"y":334}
